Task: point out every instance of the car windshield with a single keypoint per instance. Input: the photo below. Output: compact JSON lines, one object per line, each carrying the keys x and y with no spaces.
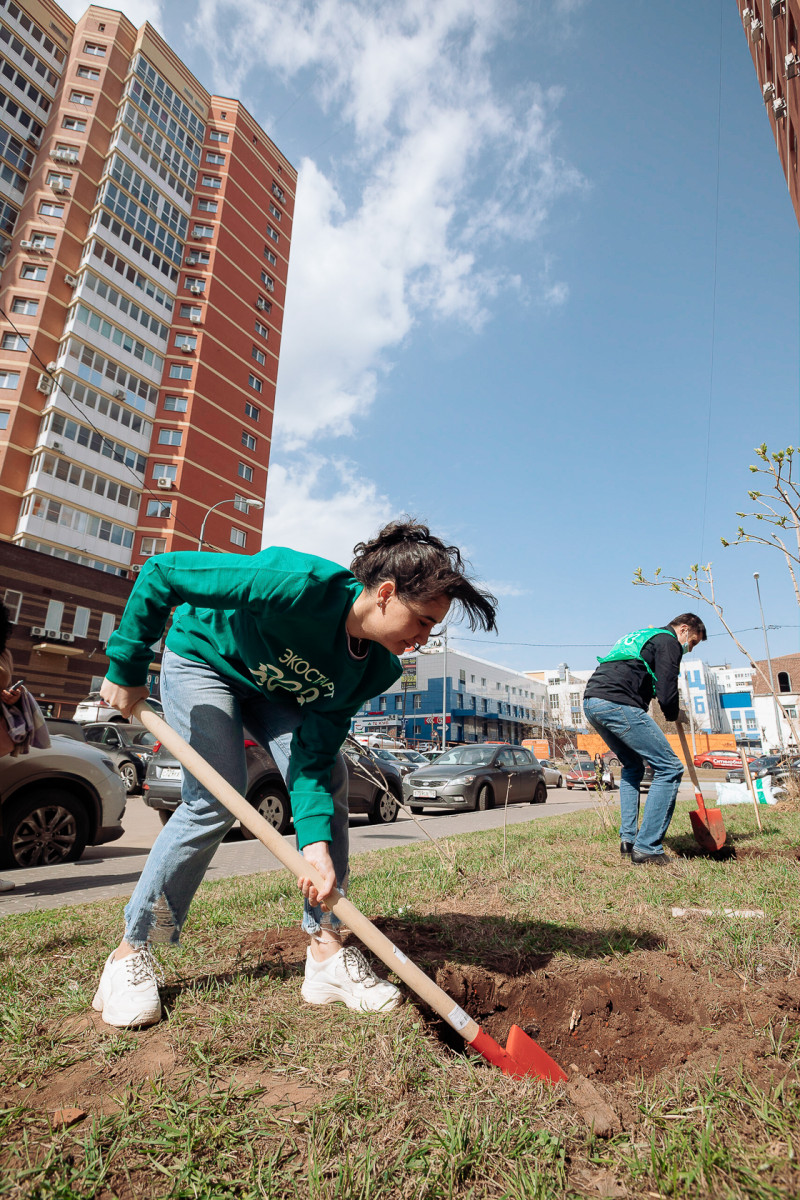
{"x":385,"y":754}
{"x":466,"y":756}
{"x":135,"y":737}
{"x":413,"y":756}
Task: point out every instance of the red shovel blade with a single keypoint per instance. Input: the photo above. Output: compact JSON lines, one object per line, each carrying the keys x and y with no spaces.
{"x":522,"y":1056}
{"x":708,"y":828}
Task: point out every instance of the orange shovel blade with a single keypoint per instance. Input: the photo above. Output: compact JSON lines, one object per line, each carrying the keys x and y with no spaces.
{"x":522,"y":1056}
{"x":708,"y":828}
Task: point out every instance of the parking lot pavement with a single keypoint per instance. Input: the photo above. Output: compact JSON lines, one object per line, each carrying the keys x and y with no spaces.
{"x":111,"y":871}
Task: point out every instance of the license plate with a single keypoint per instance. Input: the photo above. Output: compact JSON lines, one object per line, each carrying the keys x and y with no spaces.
{"x":424,"y":794}
{"x":170,"y":772}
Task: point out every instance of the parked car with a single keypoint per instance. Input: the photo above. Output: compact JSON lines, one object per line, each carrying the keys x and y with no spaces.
{"x":376,"y":740}
{"x":720,"y":759}
{"x":94,"y":708}
{"x":266,"y":790}
{"x":583,"y":776}
{"x":412,"y":756}
{"x":553,"y":776}
{"x":431,"y":755}
{"x":65,"y":727}
{"x":404,"y":760}
{"x":55,"y":802}
{"x":779,"y":766}
{"x":130,"y":748}
{"x":476,"y":776}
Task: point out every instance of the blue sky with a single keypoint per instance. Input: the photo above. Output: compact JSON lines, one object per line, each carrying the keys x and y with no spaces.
{"x":519,"y":230}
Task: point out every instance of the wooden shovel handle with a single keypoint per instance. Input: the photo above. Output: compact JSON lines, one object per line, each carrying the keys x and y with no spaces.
{"x":347,"y":912}
{"x":692,"y":772}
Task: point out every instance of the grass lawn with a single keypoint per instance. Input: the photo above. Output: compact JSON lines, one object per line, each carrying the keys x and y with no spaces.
{"x":687,"y":1029}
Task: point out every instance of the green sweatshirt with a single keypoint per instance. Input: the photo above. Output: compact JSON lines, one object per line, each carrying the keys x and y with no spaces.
{"x":274,"y":621}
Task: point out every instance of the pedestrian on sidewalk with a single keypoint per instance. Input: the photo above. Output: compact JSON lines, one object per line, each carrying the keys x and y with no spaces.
{"x":643,"y":665}
{"x":287,"y":646}
{"x":8,"y":695}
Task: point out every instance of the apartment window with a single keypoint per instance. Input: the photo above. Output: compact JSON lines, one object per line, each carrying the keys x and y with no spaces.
{"x":382,"y":704}
{"x":56,"y":180}
{"x":4,"y":415}
{"x":217,"y":135}
{"x":554,"y":702}
{"x":28,"y":308}
{"x":238,"y":536}
{"x":262,"y":330}
{"x":80,"y":98}
{"x":264,"y":304}
{"x":80,"y":626}
{"x":48,"y":209}
{"x":14,"y":341}
{"x":251,"y":411}
{"x":75,"y":123}
{"x":87,"y":73}
{"x":94,"y":48}
{"x":165,"y":471}
{"x":276,"y":212}
{"x":242,"y":503}
{"x":258,"y":355}
{"x":9,"y":379}
{"x":212,"y":181}
{"x":44,"y":241}
{"x":32,"y":271}
{"x":216,"y":159}
{"x":736,"y":724}
{"x":186,"y":339}
{"x":107,"y":622}
{"x":269,"y":256}
{"x":752,"y":723}
{"x":484,"y":705}
{"x":483,"y":683}
{"x":153,"y":545}
{"x":248,"y":441}
{"x":175,"y":403}
{"x":273,"y":233}
{"x":195,"y":284}
{"x":203,"y":231}
{"x":195,"y":257}
{"x":418,"y":701}
{"x":279,"y":192}
{"x":255,"y":383}
{"x":207,"y":205}
{"x":268,"y":281}
{"x":784,"y":683}
{"x":170,"y":437}
{"x":13,"y":602}
{"x":159,"y":508}
{"x":191,"y":310}
{"x":180,"y":371}
{"x":245,"y":472}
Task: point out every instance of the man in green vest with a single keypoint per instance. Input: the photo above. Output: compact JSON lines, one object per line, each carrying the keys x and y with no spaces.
{"x":643,"y":665}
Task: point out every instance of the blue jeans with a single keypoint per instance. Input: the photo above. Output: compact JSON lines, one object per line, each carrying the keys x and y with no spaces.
{"x":211,"y":713}
{"x":635,"y":739}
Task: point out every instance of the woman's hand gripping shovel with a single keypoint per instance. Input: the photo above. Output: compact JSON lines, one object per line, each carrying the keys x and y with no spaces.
{"x":707,"y":825}
{"x":522,"y":1056}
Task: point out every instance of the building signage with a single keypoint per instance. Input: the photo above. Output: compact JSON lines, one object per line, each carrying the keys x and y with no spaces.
{"x":437,"y":720}
{"x":409,"y":676}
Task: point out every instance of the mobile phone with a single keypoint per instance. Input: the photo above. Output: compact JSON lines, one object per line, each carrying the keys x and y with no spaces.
{"x":16,"y":685}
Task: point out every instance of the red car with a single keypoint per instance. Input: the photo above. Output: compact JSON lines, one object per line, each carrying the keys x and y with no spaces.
{"x":722,"y":760}
{"x":584,"y":776}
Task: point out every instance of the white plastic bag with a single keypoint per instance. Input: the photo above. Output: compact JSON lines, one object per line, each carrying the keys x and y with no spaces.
{"x":739,"y":793}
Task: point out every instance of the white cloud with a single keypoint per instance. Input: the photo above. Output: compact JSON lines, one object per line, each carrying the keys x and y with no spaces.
{"x":442,"y":166}
{"x":322,"y":507}
{"x":137,"y":11}
{"x":499,"y":588}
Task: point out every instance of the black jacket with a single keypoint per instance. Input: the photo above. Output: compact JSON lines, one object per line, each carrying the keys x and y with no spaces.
{"x":629,"y":682}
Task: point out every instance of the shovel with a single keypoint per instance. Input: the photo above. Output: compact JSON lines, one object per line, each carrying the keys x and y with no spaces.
{"x":707,"y":825}
{"x":521,"y":1056}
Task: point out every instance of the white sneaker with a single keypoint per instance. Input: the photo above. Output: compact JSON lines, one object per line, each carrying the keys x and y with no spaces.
{"x":347,"y":976}
{"x":127,"y":993}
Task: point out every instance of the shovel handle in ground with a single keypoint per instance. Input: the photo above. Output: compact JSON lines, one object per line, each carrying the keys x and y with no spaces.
{"x":751,"y":785}
{"x":707,"y":823}
{"x":522,"y":1056}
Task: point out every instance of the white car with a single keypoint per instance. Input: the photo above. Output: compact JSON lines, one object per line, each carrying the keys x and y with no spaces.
{"x":55,"y":802}
{"x":94,"y":708}
{"x":552,"y":775}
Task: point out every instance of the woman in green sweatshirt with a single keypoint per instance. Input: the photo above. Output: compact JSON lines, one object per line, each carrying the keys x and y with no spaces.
{"x":288,"y":646}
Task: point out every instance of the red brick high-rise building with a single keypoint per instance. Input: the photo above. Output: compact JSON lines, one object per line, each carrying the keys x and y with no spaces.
{"x":146,"y":229}
{"x":771,"y":28}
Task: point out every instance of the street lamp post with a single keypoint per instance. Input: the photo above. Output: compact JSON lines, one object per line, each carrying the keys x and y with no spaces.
{"x":769,"y":666}
{"x":248,"y":504}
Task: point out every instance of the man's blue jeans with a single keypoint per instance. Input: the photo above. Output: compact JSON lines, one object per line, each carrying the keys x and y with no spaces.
{"x":635,"y":739}
{"x":211,"y":713}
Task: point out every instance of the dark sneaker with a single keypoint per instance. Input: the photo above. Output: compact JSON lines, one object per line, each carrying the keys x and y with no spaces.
{"x":625,"y":847}
{"x":645,"y":860}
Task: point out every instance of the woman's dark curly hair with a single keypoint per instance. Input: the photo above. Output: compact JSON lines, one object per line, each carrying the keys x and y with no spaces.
{"x":421,"y":566}
{"x":5,"y":626}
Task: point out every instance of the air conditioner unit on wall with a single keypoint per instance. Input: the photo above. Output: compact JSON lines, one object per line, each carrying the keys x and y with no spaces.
{"x":135,"y":568}
{"x":186,"y":348}
{"x":53,"y":634}
{"x":165,"y":484}
{"x":68,"y":637}
{"x":261,"y":303}
{"x":792,"y":66}
{"x":44,"y":384}
{"x":59,"y":189}
{"x":196,"y":320}
{"x":118,"y":393}
{"x":26,"y":245}
{"x":747,"y":16}
{"x":779,"y":108}
{"x":72,"y":280}
{"x":756,"y":30}
{"x":37,"y":631}
{"x":195,"y":290}
{"x":768,"y":92}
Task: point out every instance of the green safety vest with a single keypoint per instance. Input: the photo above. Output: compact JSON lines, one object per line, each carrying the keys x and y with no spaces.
{"x":630,"y":646}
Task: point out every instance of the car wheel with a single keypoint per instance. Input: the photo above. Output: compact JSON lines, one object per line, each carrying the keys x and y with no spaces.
{"x":540,"y":793}
{"x":164,"y":814}
{"x":129,"y":775}
{"x":46,"y":828}
{"x":416,"y":809}
{"x":484,"y":800}
{"x":384,"y":809}
{"x":560,"y":781}
{"x":273,"y":805}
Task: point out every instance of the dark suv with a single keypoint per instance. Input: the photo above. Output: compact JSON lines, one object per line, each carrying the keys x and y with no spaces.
{"x":267,"y":792}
